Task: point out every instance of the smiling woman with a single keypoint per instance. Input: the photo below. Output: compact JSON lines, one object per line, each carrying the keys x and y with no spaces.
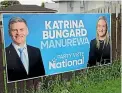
{"x":100,"y":46}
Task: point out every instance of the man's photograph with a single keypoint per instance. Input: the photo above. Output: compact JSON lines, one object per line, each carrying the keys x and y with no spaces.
{"x":23,"y":61}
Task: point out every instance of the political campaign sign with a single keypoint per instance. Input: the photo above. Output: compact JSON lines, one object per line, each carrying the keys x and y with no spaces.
{"x":63,"y":41}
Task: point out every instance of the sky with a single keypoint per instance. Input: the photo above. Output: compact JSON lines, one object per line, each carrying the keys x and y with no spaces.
{"x":32,"y":2}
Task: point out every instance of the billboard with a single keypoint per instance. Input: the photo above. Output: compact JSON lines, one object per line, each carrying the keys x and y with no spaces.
{"x":54,"y":43}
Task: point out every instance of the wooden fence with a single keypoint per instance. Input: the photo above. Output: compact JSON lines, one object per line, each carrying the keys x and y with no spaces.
{"x":22,"y":86}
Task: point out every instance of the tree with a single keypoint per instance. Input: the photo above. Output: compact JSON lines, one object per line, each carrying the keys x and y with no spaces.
{"x":7,"y":3}
{"x":43,"y":4}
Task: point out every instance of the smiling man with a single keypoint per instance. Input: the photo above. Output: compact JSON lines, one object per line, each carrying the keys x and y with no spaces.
{"x":23,"y":61}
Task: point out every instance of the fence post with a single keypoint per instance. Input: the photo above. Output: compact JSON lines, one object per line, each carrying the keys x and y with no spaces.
{"x":2,"y":85}
{"x":113,"y":35}
{"x":118,"y":30}
{"x":119,"y":36}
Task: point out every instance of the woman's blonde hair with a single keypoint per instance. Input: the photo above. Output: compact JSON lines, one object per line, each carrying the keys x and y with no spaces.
{"x":106,"y":40}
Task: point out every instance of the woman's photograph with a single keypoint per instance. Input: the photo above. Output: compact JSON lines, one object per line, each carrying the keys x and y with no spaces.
{"x":100,"y":46}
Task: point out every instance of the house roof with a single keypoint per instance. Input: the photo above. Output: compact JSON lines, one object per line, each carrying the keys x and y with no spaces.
{"x":26,"y":9}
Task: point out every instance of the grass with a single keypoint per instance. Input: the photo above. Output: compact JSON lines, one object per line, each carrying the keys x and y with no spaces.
{"x":102,"y":79}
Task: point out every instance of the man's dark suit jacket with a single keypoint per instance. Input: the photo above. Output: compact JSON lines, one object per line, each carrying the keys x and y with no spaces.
{"x":95,"y":54}
{"x":15,"y":68}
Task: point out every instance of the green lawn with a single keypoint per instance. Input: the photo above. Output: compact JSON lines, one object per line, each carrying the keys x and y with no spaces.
{"x":110,"y":86}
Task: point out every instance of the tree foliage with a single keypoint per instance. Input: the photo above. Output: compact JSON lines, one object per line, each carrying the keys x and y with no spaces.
{"x":43,"y":5}
{"x":6,"y":3}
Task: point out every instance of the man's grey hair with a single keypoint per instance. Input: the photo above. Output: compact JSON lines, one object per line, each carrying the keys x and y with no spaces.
{"x":15,"y":20}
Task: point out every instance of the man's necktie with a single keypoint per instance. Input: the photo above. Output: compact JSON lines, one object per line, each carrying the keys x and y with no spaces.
{"x":23,"y":58}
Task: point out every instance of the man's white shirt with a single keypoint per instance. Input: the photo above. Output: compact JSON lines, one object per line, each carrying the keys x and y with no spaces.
{"x":26,"y":65}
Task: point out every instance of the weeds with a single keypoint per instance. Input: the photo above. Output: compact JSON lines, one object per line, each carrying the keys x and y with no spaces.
{"x":101,"y":79}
